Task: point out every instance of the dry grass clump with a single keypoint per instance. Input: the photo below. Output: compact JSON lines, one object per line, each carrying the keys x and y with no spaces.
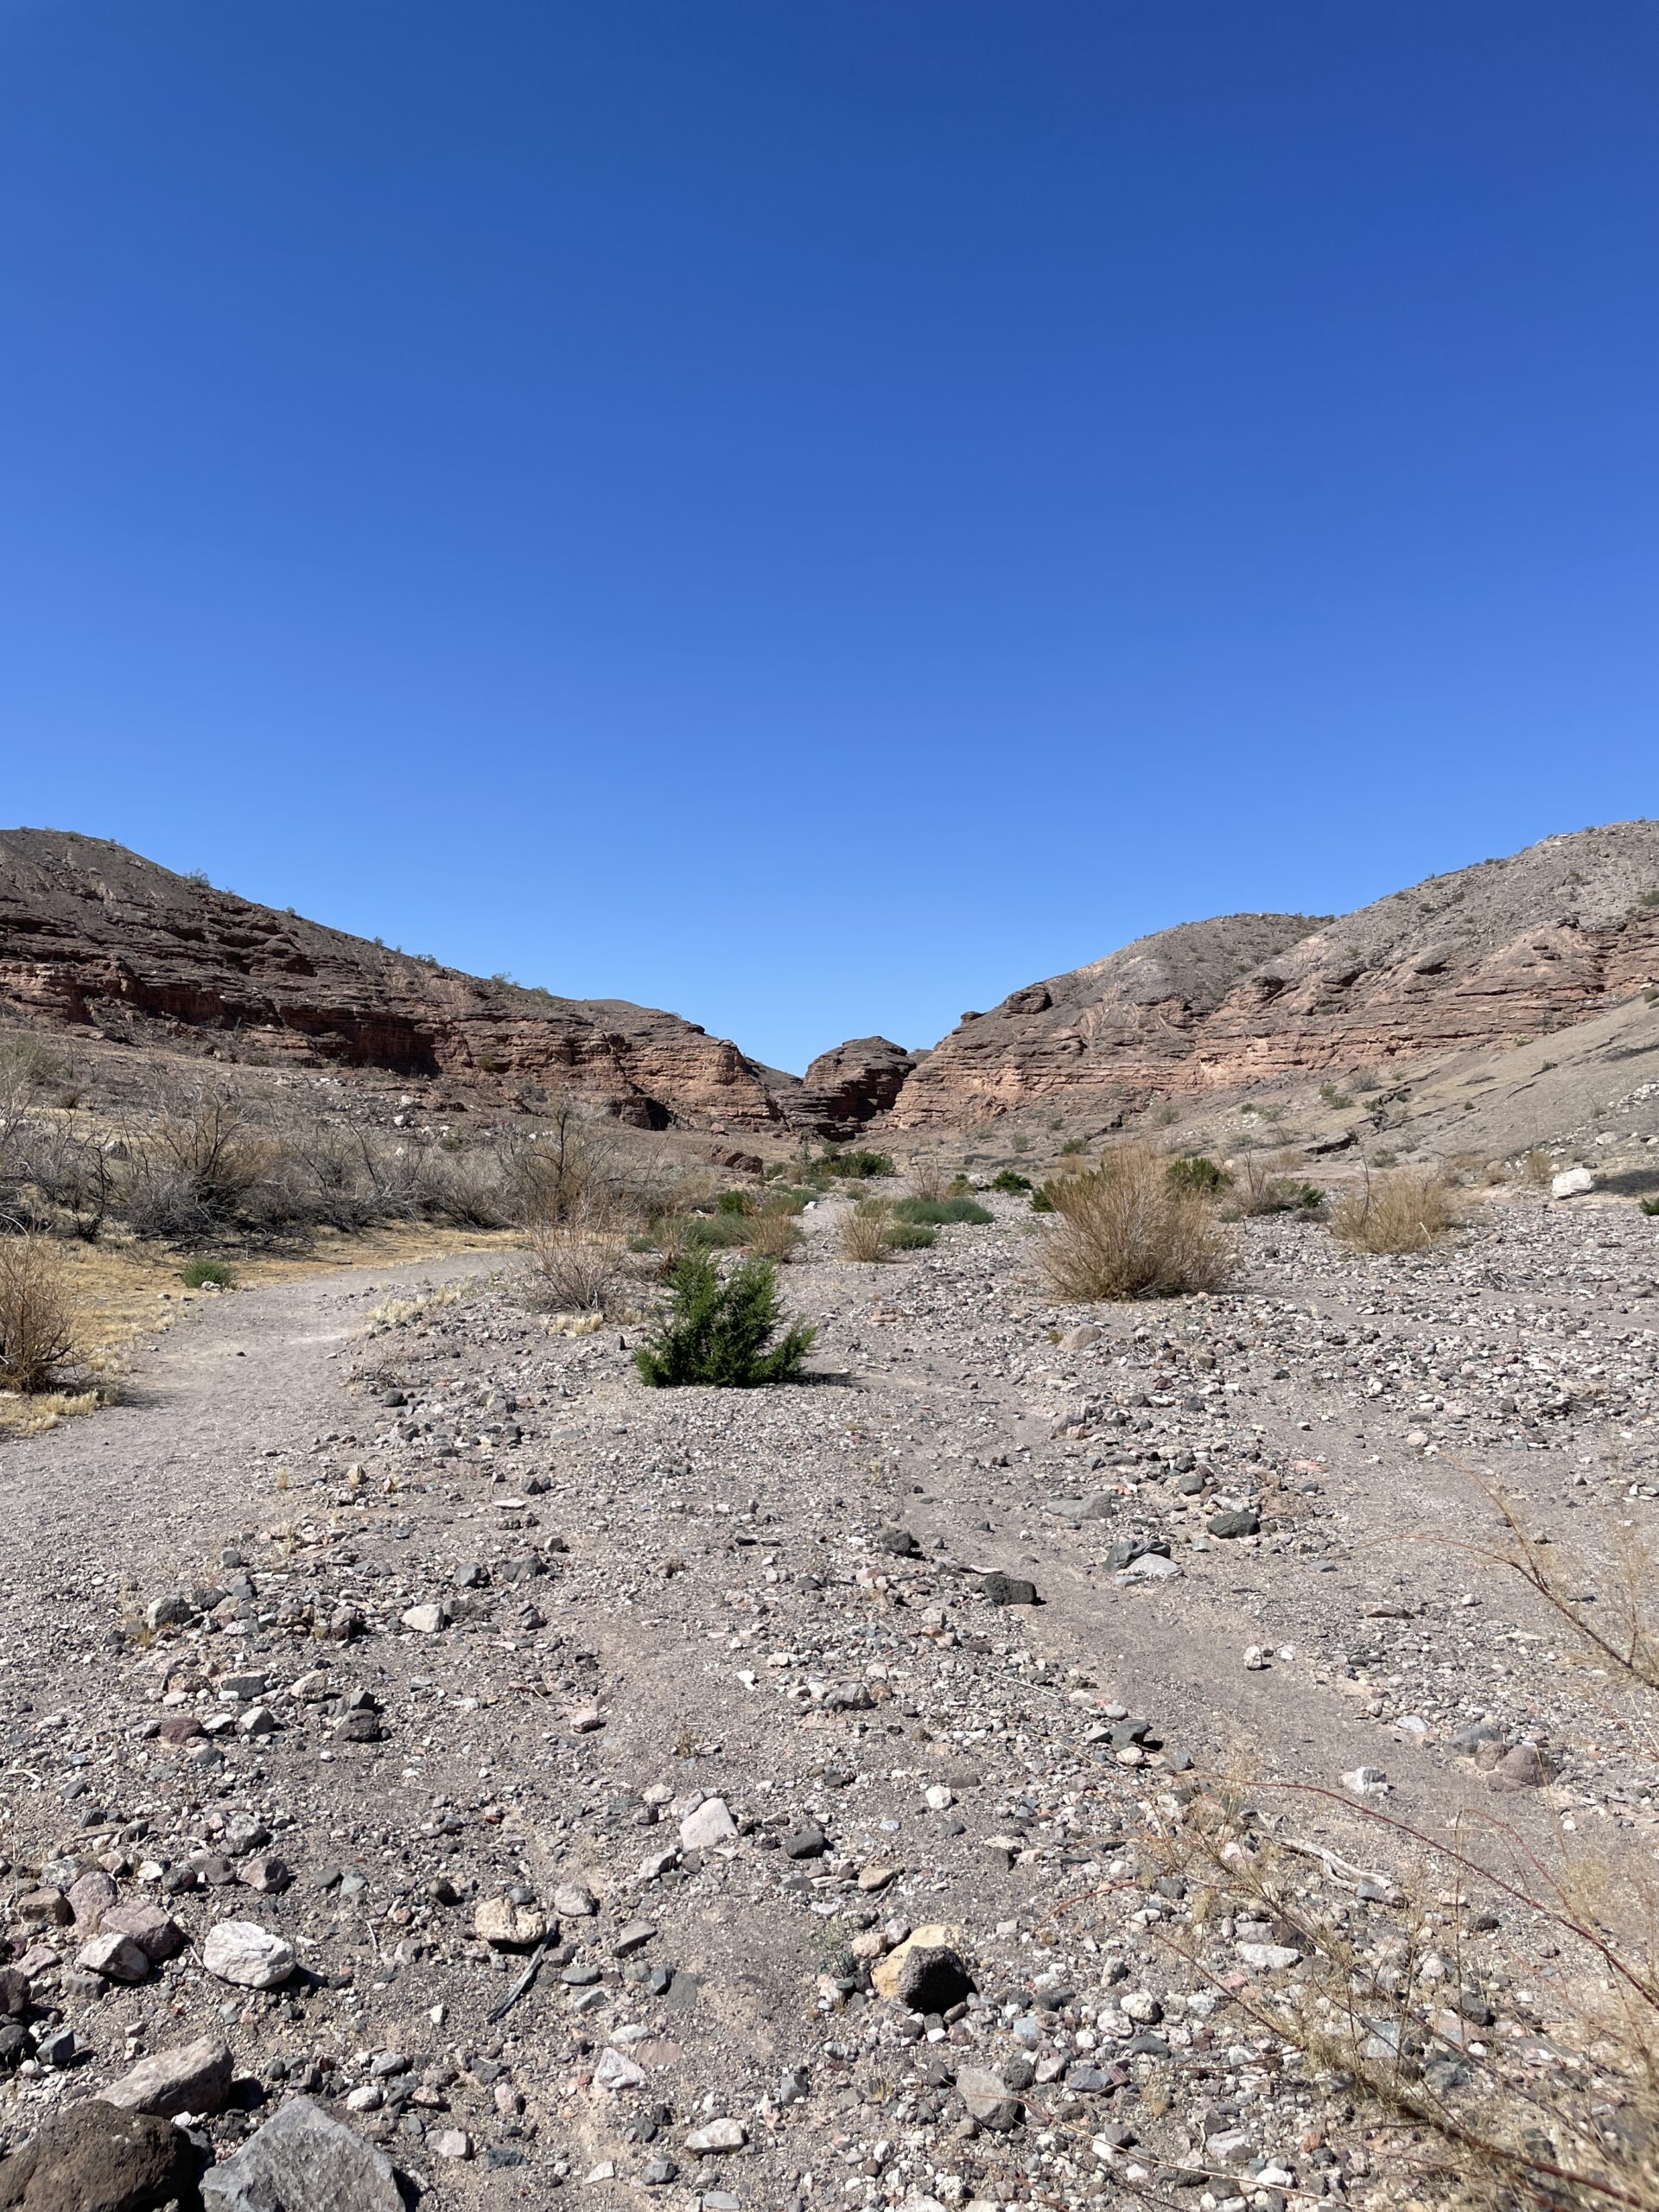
{"x":39,"y":1320}
{"x":1407,"y":1209}
{"x":772,"y":1235}
{"x":1538,"y":1169}
{"x":863,"y":1235}
{"x":1126,"y":1230}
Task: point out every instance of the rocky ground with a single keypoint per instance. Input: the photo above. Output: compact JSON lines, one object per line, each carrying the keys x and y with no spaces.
{"x":811,"y":1745}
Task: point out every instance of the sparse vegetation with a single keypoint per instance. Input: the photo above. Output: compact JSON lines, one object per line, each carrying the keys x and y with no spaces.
{"x":864,"y":1237}
{"x":1126,"y":1230}
{"x":1408,"y":1210}
{"x":197,"y":1273}
{"x":39,"y":1323}
{"x":1195,"y":1172}
{"x":1009,"y":1183}
{"x":719,"y":1332}
{"x":1262,"y":1189}
{"x":938,"y":1213}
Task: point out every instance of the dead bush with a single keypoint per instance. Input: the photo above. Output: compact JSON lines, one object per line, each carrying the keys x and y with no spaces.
{"x":930,"y":1180}
{"x":1396,"y":2002}
{"x":39,"y":1320}
{"x":1126,"y":1231}
{"x":580,"y":1259}
{"x":1407,"y":1209}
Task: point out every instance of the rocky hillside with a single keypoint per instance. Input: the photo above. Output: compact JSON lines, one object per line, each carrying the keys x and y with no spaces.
{"x":96,"y":939}
{"x":1510,"y":949}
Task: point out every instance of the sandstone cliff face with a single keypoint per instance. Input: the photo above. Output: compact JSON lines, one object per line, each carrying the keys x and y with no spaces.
{"x":1554,"y":935}
{"x":92,"y":935}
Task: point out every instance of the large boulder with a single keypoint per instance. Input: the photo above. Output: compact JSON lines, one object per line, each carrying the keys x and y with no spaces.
{"x":91,"y":2157}
{"x":303,"y":2160}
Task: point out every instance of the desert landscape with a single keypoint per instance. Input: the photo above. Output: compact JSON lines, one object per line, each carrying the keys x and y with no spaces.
{"x":1062,"y":1617}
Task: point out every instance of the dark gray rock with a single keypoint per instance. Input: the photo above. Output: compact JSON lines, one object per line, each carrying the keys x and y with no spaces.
{"x":302,"y":2160}
{"x":92,"y":2159}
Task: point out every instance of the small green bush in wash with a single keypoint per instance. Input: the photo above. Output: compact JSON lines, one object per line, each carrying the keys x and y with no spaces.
{"x":910,"y":1236}
{"x":720,"y":1332}
{"x":934,"y":1213}
{"x":1197,"y":1174}
{"x":855,"y":1166}
{"x":197,"y":1273}
{"x":1009,"y":1182}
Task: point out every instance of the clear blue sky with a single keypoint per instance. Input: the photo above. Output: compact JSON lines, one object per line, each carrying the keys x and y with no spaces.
{"x":815,"y":512}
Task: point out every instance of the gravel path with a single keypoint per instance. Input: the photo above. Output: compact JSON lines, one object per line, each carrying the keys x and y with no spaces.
{"x":715,"y":1690}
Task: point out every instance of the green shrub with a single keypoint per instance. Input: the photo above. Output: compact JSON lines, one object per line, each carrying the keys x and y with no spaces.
{"x":196,"y":1274}
{"x":1650,"y":1205}
{"x":734,"y":1202}
{"x":935,"y":1213}
{"x":1197,"y":1173}
{"x":720,"y":1332}
{"x":1073,"y":1146}
{"x":910,"y":1236}
{"x":1041,"y":1201}
{"x":854,"y":1167}
{"x":1009,"y":1182}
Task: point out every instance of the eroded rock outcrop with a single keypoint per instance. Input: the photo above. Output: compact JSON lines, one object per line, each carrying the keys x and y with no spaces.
{"x":94,"y":937}
{"x":1509,"y":949}
{"x":846,"y":1089}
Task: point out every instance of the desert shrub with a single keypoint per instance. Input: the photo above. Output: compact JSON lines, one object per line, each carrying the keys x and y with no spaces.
{"x":1407,"y":1209}
{"x":1195,"y":1172}
{"x":1072,"y":1147}
{"x":720,"y":1331}
{"x":1010,"y":1183}
{"x":1538,"y":1169}
{"x":864,"y":1236}
{"x":1042,"y":1198}
{"x":772,"y":1235}
{"x":734,"y":1202}
{"x":196,"y":1274}
{"x":787,"y":1197}
{"x":1334,"y":1096}
{"x":936,"y":1213}
{"x":929,"y":1179}
{"x":1126,"y":1231}
{"x":39,"y":1320}
{"x":1259,"y":1189}
{"x":579,"y":1263}
{"x":911,"y":1236}
{"x":857,"y":1165}
{"x":1649,"y":1205}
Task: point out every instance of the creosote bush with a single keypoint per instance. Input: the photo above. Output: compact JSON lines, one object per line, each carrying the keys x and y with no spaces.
{"x":719,"y":1332}
{"x":1407,"y":1209}
{"x":1125,"y":1231}
{"x":39,"y":1322}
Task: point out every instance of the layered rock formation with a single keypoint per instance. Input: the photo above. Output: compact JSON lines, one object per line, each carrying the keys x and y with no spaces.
{"x":1509,"y":947}
{"x":844,"y":1089}
{"x":92,"y":935}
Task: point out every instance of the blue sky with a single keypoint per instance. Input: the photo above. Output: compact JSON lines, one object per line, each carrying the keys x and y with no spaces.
{"x":815,"y":515}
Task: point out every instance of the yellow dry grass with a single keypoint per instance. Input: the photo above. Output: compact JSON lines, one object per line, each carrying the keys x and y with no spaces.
{"x":127,"y":1290}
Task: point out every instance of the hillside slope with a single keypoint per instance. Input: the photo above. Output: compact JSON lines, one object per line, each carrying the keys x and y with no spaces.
{"x":1557,"y":934}
{"x":94,"y":938}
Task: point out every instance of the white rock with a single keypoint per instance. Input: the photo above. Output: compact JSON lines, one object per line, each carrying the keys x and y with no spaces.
{"x":238,"y":1951}
{"x":711,"y":1823}
{"x":1151,"y":1566}
{"x":1366,"y":1781}
{"x":574,"y":1901}
{"x":425,"y":1620}
{"x":1572,"y":1183}
{"x":507,"y":1926}
{"x":1269,"y":1958}
{"x":719,"y":2134}
{"x":939,"y":1799}
{"x":614,"y":2072}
